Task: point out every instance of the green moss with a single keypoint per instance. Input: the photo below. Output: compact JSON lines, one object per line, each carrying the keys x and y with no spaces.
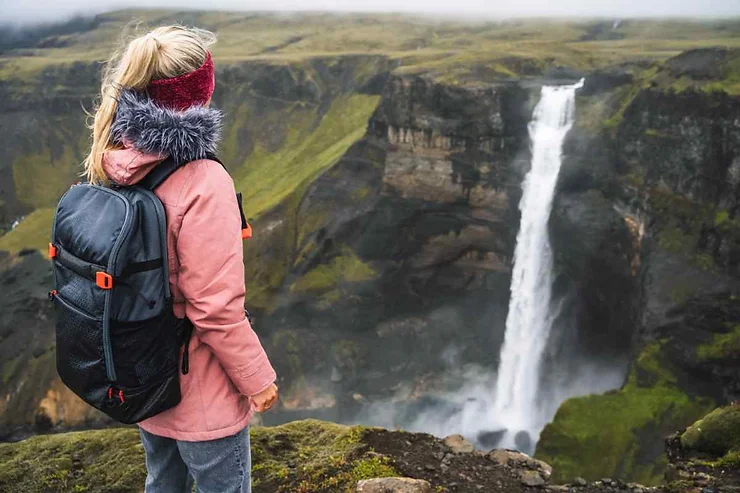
{"x":591,"y":112}
{"x":730,"y":459}
{"x":266,"y":178}
{"x":102,"y":461}
{"x":681,"y":292}
{"x":9,"y":369}
{"x":373,"y":467}
{"x":679,"y":224}
{"x":730,"y":82}
{"x":636,"y":177}
{"x":721,"y":346}
{"x":721,"y":218}
{"x":311,"y":456}
{"x":674,"y":239}
{"x":349,"y":355}
{"x":305,"y":254}
{"x":280,"y":178}
{"x":628,"y":93}
{"x":311,"y":221}
{"x":360,"y":193}
{"x":43,"y":174}
{"x":704,"y":261}
{"x":33,"y":232}
{"x":716,"y":433}
{"x":731,"y":87}
{"x":290,"y":344}
{"x":304,"y":456}
{"x":600,"y":435}
{"x":680,"y":85}
{"x":332,"y":296}
{"x":268,"y":259}
{"x":346,"y":267}
{"x":651,"y":132}
{"x":727,"y":80}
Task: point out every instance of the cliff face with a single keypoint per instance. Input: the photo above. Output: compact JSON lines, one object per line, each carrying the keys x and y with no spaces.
{"x":654,"y":193}
{"x":408,"y":238}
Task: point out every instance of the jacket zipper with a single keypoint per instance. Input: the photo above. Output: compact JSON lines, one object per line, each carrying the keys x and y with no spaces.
{"x":125,"y":229}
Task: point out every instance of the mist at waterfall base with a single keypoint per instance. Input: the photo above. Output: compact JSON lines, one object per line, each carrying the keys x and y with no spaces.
{"x":464,"y":397}
{"x":539,"y":366}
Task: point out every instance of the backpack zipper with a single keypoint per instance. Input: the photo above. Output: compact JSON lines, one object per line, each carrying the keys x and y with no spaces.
{"x":54,"y":296}
{"x":125,"y":229}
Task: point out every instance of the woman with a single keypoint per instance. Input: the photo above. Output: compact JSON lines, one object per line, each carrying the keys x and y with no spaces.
{"x":153,"y":105}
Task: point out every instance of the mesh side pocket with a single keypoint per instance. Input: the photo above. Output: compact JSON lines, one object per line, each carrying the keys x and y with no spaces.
{"x":86,"y":295}
{"x":144,"y":352}
{"x":79,"y":337}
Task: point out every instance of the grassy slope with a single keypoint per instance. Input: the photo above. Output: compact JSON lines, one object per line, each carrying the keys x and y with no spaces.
{"x":267,"y":178}
{"x":33,"y":232}
{"x":280,"y":178}
{"x":304,"y":456}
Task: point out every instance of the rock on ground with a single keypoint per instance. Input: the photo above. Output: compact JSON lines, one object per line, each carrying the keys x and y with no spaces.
{"x":512,"y":458}
{"x":531,"y":478}
{"x":393,"y":485}
{"x":459,"y":445}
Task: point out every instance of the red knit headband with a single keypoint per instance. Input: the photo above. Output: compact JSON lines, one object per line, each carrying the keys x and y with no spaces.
{"x":180,"y":93}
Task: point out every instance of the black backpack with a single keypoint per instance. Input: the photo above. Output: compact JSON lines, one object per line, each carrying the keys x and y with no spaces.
{"x":117,"y":338}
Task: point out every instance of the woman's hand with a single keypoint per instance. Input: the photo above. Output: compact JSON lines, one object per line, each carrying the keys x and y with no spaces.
{"x":265,"y":399}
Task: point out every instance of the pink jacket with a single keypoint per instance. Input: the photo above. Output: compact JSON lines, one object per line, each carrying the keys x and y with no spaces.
{"x":227,"y":361}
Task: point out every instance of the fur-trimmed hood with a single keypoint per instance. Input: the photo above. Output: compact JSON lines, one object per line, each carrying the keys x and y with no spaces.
{"x":149,"y":133}
{"x":186,"y":135}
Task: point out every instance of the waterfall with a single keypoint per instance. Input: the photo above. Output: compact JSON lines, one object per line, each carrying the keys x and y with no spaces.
{"x":516,"y":407}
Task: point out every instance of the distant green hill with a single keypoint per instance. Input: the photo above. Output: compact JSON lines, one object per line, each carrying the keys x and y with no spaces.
{"x":454,"y":50}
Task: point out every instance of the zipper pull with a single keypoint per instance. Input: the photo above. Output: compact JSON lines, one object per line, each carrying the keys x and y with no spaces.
{"x":110,"y":402}
{"x":52,"y":294}
{"x":120,"y":396}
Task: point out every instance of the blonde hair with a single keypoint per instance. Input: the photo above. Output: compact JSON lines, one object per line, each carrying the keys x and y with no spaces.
{"x":165,"y":52}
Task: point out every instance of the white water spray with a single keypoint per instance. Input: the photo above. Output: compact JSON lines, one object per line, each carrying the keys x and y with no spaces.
{"x":516,"y":407}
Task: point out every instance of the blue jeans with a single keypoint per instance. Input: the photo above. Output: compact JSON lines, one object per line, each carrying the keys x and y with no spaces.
{"x":216,"y":466}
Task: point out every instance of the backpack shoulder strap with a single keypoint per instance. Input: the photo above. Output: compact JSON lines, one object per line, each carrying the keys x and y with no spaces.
{"x":163,"y":170}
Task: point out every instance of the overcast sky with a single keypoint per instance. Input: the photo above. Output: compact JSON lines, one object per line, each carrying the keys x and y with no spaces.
{"x":33,"y":11}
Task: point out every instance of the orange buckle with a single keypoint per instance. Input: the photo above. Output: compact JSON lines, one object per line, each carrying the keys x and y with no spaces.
{"x":52,"y":250}
{"x":103,"y":280}
{"x":247,"y":232}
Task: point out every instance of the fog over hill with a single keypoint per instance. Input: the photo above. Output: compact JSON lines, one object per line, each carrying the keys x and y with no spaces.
{"x":39,"y":11}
